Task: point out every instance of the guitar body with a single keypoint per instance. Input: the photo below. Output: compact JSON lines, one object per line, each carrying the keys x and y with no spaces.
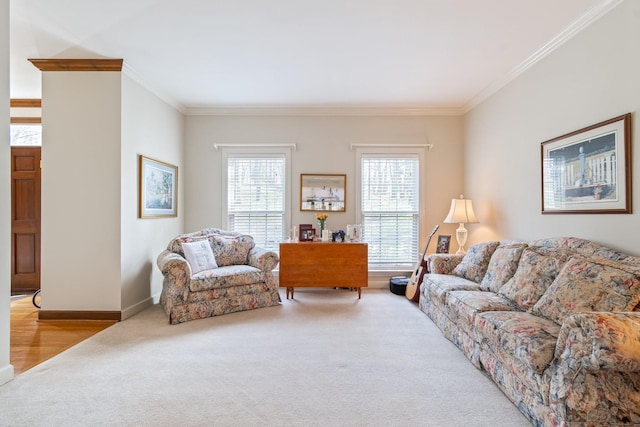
{"x":413,"y":286}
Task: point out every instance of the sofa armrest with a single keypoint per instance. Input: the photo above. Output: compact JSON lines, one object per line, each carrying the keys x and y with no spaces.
{"x":177,"y":273}
{"x":601,"y":340}
{"x":263,"y":259}
{"x":443,"y":263}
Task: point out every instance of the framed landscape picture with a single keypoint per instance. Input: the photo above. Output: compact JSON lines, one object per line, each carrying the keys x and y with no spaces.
{"x":322,"y":192}
{"x":589,"y":170}
{"x":158,"y":192}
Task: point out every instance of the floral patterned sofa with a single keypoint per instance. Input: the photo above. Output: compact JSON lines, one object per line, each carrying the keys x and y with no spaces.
{"x":240,"y":277}
{"x":555,"y":323}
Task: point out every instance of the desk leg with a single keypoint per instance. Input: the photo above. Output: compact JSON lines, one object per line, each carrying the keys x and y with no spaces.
{"x":290,"y":292}
{"x":359,"y":292}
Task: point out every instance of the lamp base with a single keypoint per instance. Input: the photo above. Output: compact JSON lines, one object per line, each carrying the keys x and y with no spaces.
{"x":461,"y":237}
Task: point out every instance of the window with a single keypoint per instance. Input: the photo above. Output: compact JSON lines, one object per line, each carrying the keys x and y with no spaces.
{"x":26,"y":135}
{"x":389,"y":200}
{"x":256,"y":197}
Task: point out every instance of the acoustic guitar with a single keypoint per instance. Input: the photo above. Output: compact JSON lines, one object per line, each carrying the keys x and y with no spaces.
{"x":413,"y":286}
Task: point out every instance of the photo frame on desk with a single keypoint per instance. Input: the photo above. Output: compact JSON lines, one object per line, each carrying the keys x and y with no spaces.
{"x":307,"y":233}
{"x":443,"y":244}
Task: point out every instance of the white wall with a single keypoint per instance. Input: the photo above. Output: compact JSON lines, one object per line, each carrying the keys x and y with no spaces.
{"x":6,"y":370}
{"x":593,"y":77}
{"x":323,"y":146}
{"x":81,"y":175}
{"x":154,"y":129}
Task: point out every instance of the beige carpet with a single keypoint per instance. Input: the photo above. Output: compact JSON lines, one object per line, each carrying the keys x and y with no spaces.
{"x":323,"y":359}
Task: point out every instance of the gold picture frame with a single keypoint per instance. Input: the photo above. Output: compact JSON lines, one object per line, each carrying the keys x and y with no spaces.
{"x":323,"y":192}
{"x":158,"y":188}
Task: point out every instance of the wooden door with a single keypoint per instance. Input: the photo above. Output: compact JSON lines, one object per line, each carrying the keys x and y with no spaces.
{"x":25,"y":219}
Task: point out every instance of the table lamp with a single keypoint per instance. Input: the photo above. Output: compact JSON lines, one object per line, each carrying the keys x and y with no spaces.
{"x":461,"y":212}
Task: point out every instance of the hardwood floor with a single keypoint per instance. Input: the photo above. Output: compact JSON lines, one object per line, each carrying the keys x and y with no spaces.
{"x":33,"y":341}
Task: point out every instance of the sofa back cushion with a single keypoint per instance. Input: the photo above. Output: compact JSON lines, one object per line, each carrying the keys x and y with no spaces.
{"x":502,"y":266}
{"x":587,"y":285}
{"x":231,"y":249}
{"x":476,"y":261}
{"x":537,"y":269}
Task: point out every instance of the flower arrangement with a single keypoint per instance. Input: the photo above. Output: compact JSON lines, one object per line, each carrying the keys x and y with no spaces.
{"x":322,"y":219}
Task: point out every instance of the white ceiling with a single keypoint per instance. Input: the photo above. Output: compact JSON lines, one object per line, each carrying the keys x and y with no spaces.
{"x":442,"y":54}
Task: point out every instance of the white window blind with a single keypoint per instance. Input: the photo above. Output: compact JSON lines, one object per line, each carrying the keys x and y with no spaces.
{"x":256,"y":197}
{"x":390,"y":209}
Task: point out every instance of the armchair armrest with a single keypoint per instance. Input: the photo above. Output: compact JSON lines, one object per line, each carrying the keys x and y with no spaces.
{"x":443,"y":263}
{"x":263,"y":259}
{"x":177,"y":273}
{"x":601,"y":340}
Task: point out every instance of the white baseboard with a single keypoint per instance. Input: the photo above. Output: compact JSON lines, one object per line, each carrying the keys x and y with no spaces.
{"x":6,"y":374}
{"x":137,"y":308}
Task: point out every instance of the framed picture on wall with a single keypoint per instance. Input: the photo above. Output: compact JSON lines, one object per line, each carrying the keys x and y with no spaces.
{"x":158,"y":192}
{"x":443,"y":244}
{"x":588,"y":171}
{"x":322,"y":192}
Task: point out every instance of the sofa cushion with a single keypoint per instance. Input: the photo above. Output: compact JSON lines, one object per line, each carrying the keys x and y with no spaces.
{"x":175,"y":245}
{"x":475,"y":262}
{"x":502,"y":266}
{"x":530,"y":339}
{"x":443,"y":263}
{"x":463,"y":306}
{"x":231,"y":249}
{"x":537,"y":269}
{"x":199,"y":256}
{"x":223,"y":277}
{"x":438,"y":285}
{"x":586,"y":285}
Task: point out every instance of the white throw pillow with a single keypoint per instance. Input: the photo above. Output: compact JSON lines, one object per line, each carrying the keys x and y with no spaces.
{"x":199,"y":256}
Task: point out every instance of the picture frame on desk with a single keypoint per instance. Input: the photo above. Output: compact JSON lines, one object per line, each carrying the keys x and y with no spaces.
{"x":307,"y":233}
{"x":443,"y":244}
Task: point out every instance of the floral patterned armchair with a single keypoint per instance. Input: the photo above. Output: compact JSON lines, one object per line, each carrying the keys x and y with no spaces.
{"x":238,"y":277}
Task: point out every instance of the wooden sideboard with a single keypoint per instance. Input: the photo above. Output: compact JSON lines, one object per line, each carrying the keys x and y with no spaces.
{"x":323,"y":264}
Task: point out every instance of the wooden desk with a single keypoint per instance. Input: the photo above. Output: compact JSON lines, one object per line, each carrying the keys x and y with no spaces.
{"x":323,"y":264}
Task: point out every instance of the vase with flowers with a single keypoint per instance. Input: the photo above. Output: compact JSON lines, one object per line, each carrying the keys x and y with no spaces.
{"x":322,"y":221}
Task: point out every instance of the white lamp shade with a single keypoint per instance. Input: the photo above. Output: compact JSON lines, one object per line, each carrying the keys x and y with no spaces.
{"x":461,"y":212}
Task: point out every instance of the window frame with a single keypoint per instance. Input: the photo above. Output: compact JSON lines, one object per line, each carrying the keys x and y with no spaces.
{"x":252,"y":152}
{"x":390,"y":151}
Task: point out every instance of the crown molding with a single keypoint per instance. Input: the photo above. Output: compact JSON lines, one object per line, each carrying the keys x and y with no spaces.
{"x":322,"y":111}
{"x":582,"y":22}
{"x":57,"y":64}
{"x":135,"y":76}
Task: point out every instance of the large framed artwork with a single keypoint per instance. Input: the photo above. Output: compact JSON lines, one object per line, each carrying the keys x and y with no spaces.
{"x":323,"y":192}
{"x":588,"y":171}
{"x":158,"y":192}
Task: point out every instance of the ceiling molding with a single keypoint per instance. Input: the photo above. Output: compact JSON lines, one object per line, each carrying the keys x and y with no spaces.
{"x":85,"y":64}
{"x":322,"y":111}
{"x":591,"y":16}
{"x":135,"y":76}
